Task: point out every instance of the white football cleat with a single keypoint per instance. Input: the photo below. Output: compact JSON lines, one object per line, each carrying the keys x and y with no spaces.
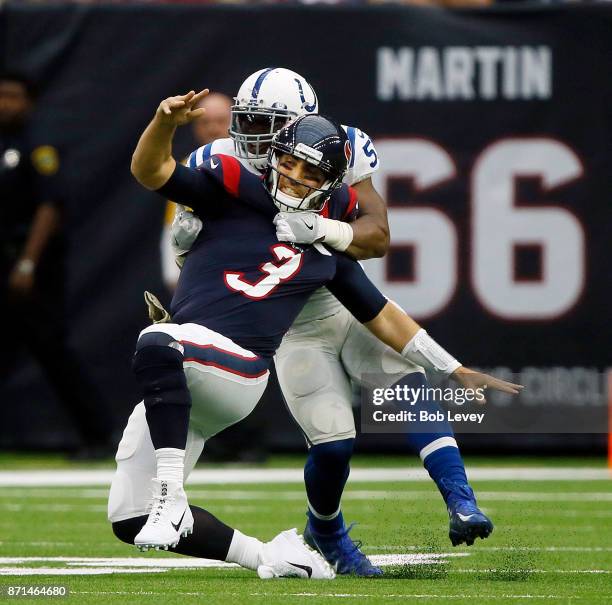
{"x":288,"y":556}
{"x":169,"y":520}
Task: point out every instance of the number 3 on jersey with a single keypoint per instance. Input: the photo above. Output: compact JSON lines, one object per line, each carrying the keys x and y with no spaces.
{"x":289,"y":263}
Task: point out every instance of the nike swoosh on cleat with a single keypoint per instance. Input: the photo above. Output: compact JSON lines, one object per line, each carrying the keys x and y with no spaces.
{"x":306,"y":568}
{"x":465,"y":517}
{"x":177,"y":525}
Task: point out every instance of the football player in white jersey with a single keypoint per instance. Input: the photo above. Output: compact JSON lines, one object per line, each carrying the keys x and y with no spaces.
{"x":326,"y":348}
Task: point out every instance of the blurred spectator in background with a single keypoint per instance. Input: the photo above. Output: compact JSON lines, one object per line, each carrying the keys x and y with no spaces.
{"x":214,"y":124}
{"x":32,"y":266}
{"x":245,"y":441}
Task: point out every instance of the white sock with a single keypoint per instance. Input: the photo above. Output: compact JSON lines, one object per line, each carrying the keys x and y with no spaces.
{"x":170,"y":464}
{"x":245,"y":551}
{"x":323,"y":517}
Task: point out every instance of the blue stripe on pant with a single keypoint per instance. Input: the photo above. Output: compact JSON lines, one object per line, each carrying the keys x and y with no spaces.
{"x":210,"y":355}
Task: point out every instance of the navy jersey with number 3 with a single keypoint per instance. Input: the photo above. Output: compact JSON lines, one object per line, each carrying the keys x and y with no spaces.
{"x":238,"y":279}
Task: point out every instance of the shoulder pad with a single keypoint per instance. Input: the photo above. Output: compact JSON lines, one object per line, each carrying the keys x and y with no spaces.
{"x":203,"y":153}
{"x":364,"y":160}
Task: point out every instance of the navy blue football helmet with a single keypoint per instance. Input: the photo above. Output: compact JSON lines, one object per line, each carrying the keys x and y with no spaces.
{"x":318,"y":141}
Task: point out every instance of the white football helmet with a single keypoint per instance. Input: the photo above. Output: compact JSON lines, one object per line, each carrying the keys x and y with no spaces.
{"x":268,"y":100}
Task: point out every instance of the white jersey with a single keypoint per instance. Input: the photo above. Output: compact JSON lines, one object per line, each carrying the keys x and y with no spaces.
{"x":364,"y":162}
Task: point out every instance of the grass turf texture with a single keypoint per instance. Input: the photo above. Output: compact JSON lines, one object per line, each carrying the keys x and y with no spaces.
{"x":41,"y":461}
{"x":552,"y":541}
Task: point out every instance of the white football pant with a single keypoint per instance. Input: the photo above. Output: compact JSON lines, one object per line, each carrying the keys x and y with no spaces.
{"x":225,"y":382}
{"x":317,"y":361}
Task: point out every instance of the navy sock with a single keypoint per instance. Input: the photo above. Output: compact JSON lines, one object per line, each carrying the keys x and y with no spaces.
{"x":435,"y":443}
{"x":325,"y":474}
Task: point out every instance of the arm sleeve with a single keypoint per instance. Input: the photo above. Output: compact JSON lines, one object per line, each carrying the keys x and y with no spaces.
{"x":352,"y":287}
{"x":352,"y":208}
{"x":194,"y":188}
{"x":343,"y":205}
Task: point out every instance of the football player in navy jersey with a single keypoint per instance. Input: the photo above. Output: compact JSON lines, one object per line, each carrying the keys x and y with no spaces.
{"x":239,"y":291}
{"x":327,"y":350}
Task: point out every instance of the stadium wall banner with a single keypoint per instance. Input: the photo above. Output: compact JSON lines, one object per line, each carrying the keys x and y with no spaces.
{"x":493,"y":133}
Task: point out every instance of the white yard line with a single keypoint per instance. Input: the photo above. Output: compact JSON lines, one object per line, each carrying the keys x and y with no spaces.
{"x":194,"y":563}
{"x":53,"y":508}
{"x":162,"y":563}
{"x":590,"y":549}
{"x":21,"y":566}
{"x":338,"y":595}
{"x":294,"y":475}
{"x":62,"y":571}
{"x":45,"y":543}
{"x":478,"y":596}
{"x":238,"y":495}
{"x":69,"y":566}
{"x":102,"y":508}
{"x":384,"y":547}
{"x":554,"y":571}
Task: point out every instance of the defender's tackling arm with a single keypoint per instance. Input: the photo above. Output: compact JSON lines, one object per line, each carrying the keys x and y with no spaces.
{"x":371,"y":228}
{"x":395,"y":328}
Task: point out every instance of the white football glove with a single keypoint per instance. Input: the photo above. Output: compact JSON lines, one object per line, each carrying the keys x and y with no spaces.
{"x":310,"y":228}
{"x":186,"y":227}
{"x":299,"y":227}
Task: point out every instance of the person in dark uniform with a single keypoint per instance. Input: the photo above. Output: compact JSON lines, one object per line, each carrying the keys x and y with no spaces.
{"x":32,"y":266}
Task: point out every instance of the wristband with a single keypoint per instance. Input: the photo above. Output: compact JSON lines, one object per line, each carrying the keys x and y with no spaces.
{"x":338,"y":234}
{"x":423,"y":350}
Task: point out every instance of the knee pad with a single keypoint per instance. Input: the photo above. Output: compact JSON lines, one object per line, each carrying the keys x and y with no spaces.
{"x":159,"y":371}
{"x":309,"y":372}
{"x":333,"y":455}
{"x":318,"y":395}
{"x":128,"y":529}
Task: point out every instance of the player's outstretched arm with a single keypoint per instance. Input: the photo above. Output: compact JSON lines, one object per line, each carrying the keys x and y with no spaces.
{"x":152,"y":161}
{"x":394,"y":327}
{"x":398,"y":330}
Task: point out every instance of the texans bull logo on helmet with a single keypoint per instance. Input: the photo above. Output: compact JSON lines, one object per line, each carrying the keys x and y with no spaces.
{"x":348,"y":152}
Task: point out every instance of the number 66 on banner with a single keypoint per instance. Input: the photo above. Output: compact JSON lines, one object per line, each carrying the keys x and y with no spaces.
{"x":498,"y":226}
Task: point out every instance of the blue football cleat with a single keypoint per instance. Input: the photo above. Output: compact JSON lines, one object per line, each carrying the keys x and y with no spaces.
{"x":467,"y":521}
{"x":341,"y":552}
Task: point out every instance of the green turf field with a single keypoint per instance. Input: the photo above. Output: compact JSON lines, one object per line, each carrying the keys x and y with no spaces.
{"x":552,"y":544}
